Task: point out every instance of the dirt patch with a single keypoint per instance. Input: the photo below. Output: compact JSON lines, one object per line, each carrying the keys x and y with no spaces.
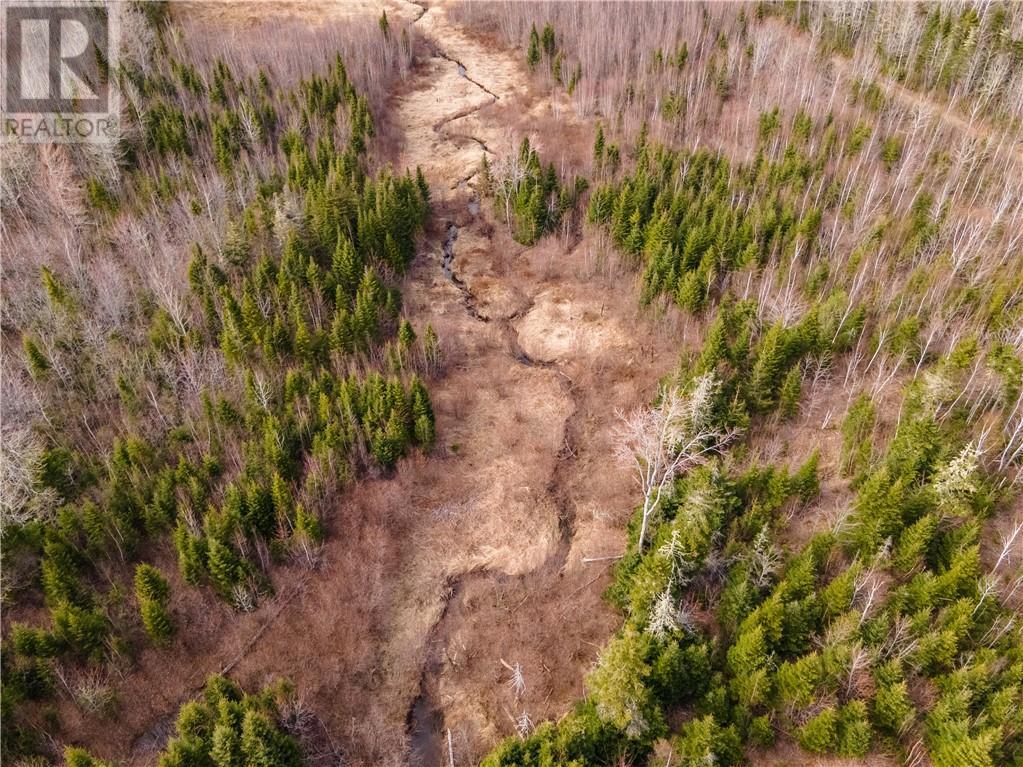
{"x":562,"y":325}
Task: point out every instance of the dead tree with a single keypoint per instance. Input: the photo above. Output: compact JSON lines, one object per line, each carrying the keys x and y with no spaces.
{"x":668,"y":440}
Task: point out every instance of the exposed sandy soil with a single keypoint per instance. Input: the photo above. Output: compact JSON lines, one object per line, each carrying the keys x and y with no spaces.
{"x":471,"y":558}
{"x":562,"y":324}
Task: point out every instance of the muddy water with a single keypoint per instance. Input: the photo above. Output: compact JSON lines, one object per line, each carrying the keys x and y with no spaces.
{"x":447,"y":265}
{"x":426,"y":722}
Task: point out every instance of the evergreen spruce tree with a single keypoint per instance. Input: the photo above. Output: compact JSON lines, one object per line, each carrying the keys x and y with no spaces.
{"x":424,"y":188}
{"x":224,"y":566}
{"x":789,"y":394}
{"x":38,"y":364}
{"x":60,"y":583}
{"x":767,"y":368}
{"x":715,"y":345}
{"x":619,"y":687}
{"x":150,"y":585}
{"x":306,"y":346}
{"x":573,"y":81}
{"x":533,"y":53}
{"x":191,"y":554}
{"x":892,"y":708}
{"x":226,"y":728}
{"x":486,"y":182}
{"x":857,"y":429}
{"x":83,"y":629}
{"x":705,"y":742}
{"x":406,"y":338}
{"x":820,"y":734}
{"x":283,"y":503}
{"x":342,"y":332}
{"x":157,"y":622}
{"x":854,"y":733}
{"x":55,"y":290}
{"x":914,"y":544}
{"x":598,"y":148}
{"x":258,"y":517}
{"x":747,"y":659}
{"x":547,"y":40}
{"x":257,"y":741}
{"x":225,"y":746}
{"x":612,"y":157}
{"x":690,"y":295}
{"x":805,"y":482}
{"x":308,"y":528}
{"x":422,"y":414}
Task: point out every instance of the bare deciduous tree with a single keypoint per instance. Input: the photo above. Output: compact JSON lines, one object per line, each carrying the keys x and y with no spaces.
{"x":765,"y":560}
{"x":523,"y":725}
{"x":21,"y":501}
{"x":665,"y":441}
{"x":517,"y":681}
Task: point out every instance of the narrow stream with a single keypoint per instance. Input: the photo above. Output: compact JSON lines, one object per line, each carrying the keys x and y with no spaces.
{"x":447,"y":264}
{"x":448,"y":251}
{"x":425,"y":724}
{"x":425,"y":721}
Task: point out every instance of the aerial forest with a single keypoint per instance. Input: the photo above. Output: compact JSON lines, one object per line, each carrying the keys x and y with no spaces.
{"x":521,"y":384}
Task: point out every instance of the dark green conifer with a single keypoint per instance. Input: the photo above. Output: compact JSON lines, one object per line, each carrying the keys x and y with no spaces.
{"x":191,"y":554}
{"x":547,"y":40}
{"x":789,"y":394}
{"x":533,"y":53}
{"x":224,"y":566}
{"x":38,"y":364}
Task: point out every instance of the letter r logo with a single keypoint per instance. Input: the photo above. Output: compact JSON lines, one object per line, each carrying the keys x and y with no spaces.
{"x":55,"y":58}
